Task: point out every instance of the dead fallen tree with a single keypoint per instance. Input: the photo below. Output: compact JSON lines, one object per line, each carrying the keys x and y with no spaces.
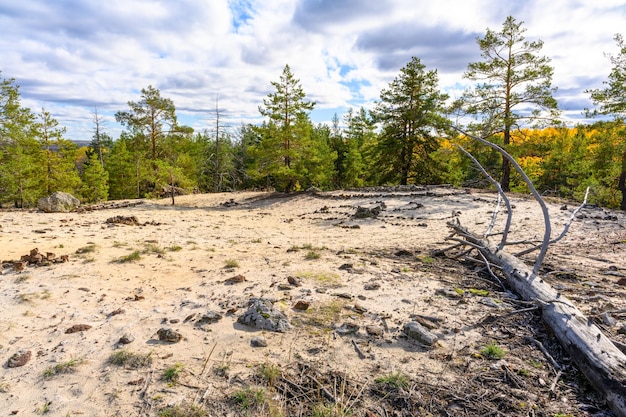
{"x":602,"y":363}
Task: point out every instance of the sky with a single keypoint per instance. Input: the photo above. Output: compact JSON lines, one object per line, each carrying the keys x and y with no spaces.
{"x":70,"y":57}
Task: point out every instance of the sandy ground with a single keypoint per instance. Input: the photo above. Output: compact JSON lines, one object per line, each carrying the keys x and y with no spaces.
{"x":371,"y":272}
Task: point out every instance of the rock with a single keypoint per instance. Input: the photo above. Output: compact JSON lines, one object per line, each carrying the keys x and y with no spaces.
{"x":302,"y":305}
{"x":358,"y":308}
{"x":18,"y":359}
{"x":262,"y":315}
{"x":347,"y":328}
{"x":116,"y":312}
{"x":371,"y":286}
{"x":235,"y":280}
{"x":168,"y":335}
{"x":126,"y":339}
{"x":365,"y":213}
{"x":416,"y":331}
{"x":449,"y":293}
{"x":78,"y":328}
{"x":19,"y":266}
{"x":374,"y":330}
{"x":294,"y":281}
{"x":622,"y":330}
{"x":58,"y":202}
{"x":258,"y":341}
{"x":209,"y":317}
{"x":608,"y":320}
{"x":127,"y":220}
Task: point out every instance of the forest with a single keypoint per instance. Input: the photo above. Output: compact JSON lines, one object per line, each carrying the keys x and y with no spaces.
{"x":413,"y":135}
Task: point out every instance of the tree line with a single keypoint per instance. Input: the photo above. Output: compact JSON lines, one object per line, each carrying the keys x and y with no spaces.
{"x":406,"y":138}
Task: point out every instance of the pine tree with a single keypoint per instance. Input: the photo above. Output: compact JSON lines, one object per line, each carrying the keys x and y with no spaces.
{"x":512,"y":78}
{"x":410,"y":112}
{"x":285,"y":137}
{"x":95,"y":185}
{"x":611,"y":100}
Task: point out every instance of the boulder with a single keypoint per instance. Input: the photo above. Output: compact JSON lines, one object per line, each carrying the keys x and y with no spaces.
{"x":58,"y":202}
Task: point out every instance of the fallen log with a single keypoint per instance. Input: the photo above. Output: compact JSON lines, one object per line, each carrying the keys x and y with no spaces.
{"x":602,"y":363}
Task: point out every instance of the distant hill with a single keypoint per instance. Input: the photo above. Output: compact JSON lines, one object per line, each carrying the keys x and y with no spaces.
{"x":81,"y":143}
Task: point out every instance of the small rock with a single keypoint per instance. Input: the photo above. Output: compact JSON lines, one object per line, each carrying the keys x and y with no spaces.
{"x":491,"y":302}
{"x":116,"y":312}
{"x":449,"y":293}
{"x":258,"y":341}
{"x":343,"y":295}
{"x":284,"y":287}
{"x":416,"y":331}
{"x":235,"y":280}
{"x":78,"y":328}
{"x":126,"y":339}
{"x":345,"y":267}
{"x":374,"y":330}
{"x":302,"y":305}
{"x":347,"y":328}
{"x":168,"y":335}
{"x":371,"y":286}
{"x":359,"y":308}
{"x":608,"y":320}
{"x":622,"y":330}
{"x":18,"y":359}
{"x":294,"y":281}
{"x":209,"y":317}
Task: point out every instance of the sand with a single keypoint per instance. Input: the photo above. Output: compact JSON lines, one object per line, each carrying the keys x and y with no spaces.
{"x":375,"y":271}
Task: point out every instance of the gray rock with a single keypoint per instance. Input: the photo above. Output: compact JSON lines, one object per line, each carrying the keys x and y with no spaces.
{"x":258,"y":341}
{"x":608,"y":319}
{"x":209,"y":317}
{"x":126,"y":339}
{"x":58,"y":202}
{"x":347,"y":328}
{"x":374,"y":330}
{"x":416,"y":331}
{"x":168,"y":335}
{"x":262,"y":315}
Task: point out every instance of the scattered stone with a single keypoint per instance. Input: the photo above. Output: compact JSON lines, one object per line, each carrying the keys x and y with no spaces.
{"x":296,"y":282}
{"x":174,"y":321}
{"x":209,"y":317}
{"x":126,"y":339}
{"x":127,"y":220}
{"x":359,"y":308}
{"x":446,"y":292}
{"x":366,"y":213}
{"x":18,"y":359}
{"x":262,"y":315}
{"x":235,"y":280}
{"x":229,"y":203}
{"x":371,"y":286}
{"x":116,"y":312}
{"x":343,"y":295}
{"x":19,"y":266}
{"x":302,"y":305}
{"x":622,"y":330}
{"x":491,"y":302}
{"x":608,"y":320}
{"x":347,"y":328}
{"x":374,"y":330}
{"x":58,"y":202}
{"x":258,"y":341}
{"x":168,"y":335}
{"x":416,"y":331}
{"x":284,"y":287}
{"x":78,"y":328}
{"x":346,"y":267}
{"x":139,"y":381}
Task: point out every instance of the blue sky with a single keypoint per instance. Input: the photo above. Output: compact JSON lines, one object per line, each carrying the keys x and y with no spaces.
{"x":69,"y":56}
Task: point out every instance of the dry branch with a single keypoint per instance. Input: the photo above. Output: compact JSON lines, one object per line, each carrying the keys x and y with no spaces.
{"x":603,"y":364}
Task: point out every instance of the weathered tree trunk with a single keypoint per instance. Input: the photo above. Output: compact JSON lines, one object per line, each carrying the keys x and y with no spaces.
{"x":594,"y":354}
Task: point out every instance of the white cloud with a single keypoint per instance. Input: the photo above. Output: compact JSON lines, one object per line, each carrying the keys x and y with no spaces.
{"x":72,"y":55}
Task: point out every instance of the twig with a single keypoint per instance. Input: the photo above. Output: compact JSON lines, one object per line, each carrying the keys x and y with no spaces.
{"x":358,"y":350}
{"x":556,"y":379}
{"x":549,"y":357}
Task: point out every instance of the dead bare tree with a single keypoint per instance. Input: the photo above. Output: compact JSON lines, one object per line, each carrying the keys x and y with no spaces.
{"x":602,"y":363}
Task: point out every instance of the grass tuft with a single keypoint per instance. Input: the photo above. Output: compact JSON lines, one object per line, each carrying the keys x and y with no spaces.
{"x":492,"y":351}
{"x":66,"y":367}
{"x":130,"y":360}
{"x":131,"y":257}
